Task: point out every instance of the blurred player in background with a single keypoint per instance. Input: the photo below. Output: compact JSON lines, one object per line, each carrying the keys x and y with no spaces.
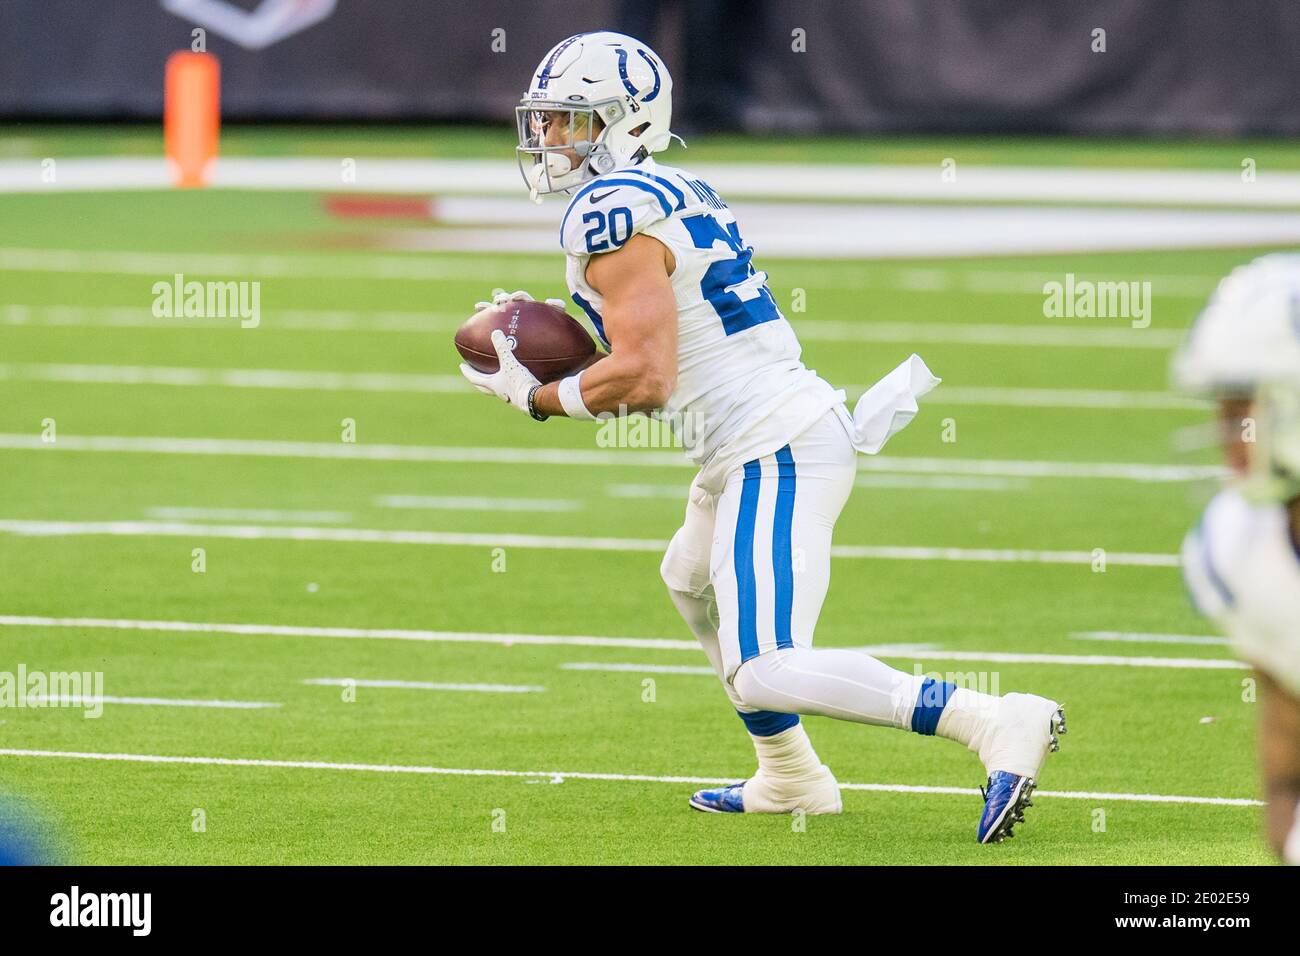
{"x":1242,"y":562}
{"x":657,"y":262}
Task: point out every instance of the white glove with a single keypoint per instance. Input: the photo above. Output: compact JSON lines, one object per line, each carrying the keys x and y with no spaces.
{"x":512,"y":383}
{"x":500,"y":297}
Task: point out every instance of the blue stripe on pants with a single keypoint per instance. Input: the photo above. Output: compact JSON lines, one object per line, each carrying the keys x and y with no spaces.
{"x":782,"y":555}
{"x":746,"y":596}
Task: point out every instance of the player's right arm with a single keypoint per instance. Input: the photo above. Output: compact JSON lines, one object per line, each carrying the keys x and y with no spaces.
{"x":640,"y":318}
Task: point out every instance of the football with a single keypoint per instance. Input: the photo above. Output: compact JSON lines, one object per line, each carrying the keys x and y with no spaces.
{"x":548,"y":341}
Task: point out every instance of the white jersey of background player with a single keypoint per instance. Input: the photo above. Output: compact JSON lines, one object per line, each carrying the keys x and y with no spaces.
{"x":658,"y":263}
{"x":1242,"y":561}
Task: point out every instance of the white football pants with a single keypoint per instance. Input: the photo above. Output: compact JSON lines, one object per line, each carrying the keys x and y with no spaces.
{"x":749,"y":570}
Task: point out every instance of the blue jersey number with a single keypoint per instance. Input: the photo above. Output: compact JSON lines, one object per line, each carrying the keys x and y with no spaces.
{"x":605,"y":232}
{"x":736,"y":314}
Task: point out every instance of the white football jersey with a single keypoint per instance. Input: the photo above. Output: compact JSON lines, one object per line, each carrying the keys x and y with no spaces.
{"x":742,"y":391}
{"x":1243,"y":572}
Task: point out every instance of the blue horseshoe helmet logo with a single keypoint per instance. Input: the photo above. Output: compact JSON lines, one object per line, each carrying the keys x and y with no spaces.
{"x":627,"y":83}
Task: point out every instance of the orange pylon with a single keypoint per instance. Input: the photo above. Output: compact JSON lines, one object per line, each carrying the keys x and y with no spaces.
{"x":191,"y":116}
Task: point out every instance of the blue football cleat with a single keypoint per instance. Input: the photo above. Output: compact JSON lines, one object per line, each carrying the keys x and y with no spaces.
{"x":728,"y":799}
{"x":1005,"y":799}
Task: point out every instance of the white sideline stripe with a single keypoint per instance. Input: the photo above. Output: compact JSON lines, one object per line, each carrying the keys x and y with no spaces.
{"x":1129,"y":637}
{"x":383,"y":634}
{"x":174,"y":529}
{"x":248,"y":514}
{"x":425,"y":685}
{"x":843,"y":181}
{"x":915,"y":651}
{"x":80,"y":699}
{"x":477,"y":503}
{"x":628,"y":458}
{"x":561,"y":775}
{"x":419,"y":383}
{"x":808,"y":327}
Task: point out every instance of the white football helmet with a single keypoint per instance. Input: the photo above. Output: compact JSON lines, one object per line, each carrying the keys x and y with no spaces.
{"x":1246,"y":343}
{"x":604,"y":75}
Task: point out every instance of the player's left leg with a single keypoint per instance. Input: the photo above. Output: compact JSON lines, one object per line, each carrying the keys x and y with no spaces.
{"x":790,"y":775}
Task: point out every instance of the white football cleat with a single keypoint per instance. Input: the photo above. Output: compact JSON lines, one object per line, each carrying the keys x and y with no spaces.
{"x":1022,"y":733}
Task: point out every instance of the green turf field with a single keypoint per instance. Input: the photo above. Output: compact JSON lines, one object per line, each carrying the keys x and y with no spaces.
{"x":101,"y":524}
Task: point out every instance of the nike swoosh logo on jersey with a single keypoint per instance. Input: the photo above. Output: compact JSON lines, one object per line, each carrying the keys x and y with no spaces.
{"x":596,"y":198}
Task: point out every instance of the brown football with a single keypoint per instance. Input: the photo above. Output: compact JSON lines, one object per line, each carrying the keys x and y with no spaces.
{"x":548,"y":341}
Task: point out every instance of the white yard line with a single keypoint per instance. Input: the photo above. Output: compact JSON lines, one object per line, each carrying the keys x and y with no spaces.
{"x":248,"y":532}
{"x":1065,"y":398}
{"x":638,"y":668}
{"x":877,"y":650}
{"x":419,"y":383}
{"x":272,"y":378}
{"x":478,"y":503}
{"x":808,"y":326}
{"x":1084,"y":660}
{"x":953,"y":333}
{"x":563,"y":775}
{"x":358,"y":633}
{"x":179,"y":513}
{"x":425,"y":685}
{"x":297,"y":320}
{"x":77,"y":700}
{"x":164,"y":265}
{"x":677,"y":493}
{"x":628,"y":458}
{"x":1129,"y":637}
{"x":1013,"y":468}
{"x":942,"y":482}
{"x":804,"y":273}
{"x":902,"y":651}
{"x":671,"y":492}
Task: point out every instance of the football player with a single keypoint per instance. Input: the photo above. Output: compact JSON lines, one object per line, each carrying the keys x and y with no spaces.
{"x":1242,"y":561}
{"x":656,"y":260}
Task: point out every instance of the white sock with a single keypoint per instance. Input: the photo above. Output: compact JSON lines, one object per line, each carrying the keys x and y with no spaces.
{"x":788,"y":754}
{"x":829,"y":682}
{"x":968,"y":717}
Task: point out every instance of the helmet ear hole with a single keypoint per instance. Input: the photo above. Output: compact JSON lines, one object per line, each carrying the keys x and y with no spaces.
{"x":639,"y":130}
